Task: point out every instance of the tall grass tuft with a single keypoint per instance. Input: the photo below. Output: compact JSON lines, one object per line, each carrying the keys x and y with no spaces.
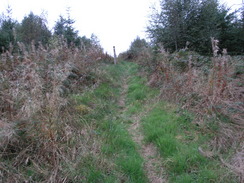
{"x":37,"y":124}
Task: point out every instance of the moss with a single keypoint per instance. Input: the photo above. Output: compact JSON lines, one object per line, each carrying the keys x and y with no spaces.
{"x":82,"y":109}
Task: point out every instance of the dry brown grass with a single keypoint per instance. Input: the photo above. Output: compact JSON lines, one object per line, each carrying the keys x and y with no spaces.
{"x":38,"y":126}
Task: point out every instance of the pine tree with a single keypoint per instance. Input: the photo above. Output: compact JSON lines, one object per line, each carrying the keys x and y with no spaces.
{"x":64,"y":27}
{"x":195,"y":21}
{"x":7,"y":30}
{"x":34,"y":28}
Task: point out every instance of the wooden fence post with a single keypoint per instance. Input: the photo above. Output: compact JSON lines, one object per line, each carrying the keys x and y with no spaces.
{"x":115,"y":57}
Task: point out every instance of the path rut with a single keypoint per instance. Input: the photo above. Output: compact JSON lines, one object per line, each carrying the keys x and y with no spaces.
{"x":152,"y":161}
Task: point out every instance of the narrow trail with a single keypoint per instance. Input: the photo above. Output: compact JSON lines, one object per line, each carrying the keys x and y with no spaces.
{"x":152,"y":161}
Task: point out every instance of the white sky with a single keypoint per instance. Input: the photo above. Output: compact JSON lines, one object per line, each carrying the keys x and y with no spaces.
{"x":115,"y":22}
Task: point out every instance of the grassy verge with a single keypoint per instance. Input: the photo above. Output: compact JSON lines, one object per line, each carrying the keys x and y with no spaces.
{"x":178,"y":141}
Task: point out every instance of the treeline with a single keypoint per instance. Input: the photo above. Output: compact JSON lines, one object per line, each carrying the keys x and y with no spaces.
{"x":180,"y":23}
{"x":33,"y":29}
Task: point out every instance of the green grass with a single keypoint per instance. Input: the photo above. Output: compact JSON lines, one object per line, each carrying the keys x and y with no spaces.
{"x":118,"y":159}
{"x":137,"y":92}
{"x":178,"y":140}
{"x":120,"y":147}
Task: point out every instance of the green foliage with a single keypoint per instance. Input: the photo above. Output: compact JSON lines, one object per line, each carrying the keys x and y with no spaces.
{"x":7,"y":30}
{"x":34,"y":28}
{"x":64,"y":27}
{"x":95,"y":42}
{"x":232,"y":33}
{"x":137,"y":47}
{"x":195,"y":21}
{"x":7,"y":33}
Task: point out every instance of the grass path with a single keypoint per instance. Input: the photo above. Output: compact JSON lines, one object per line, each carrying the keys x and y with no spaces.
{"x":152,"y":161}
{"x":166,"y":138}
{"x":136,"y":138}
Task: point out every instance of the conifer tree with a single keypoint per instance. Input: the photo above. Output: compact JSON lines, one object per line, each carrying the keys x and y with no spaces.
{"x":7,"y":30}
{"x":195,"y":21}
{"x":64,"y":27}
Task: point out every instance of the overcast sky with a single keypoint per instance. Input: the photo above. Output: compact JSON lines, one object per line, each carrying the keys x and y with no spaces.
{"x":115,"y":22}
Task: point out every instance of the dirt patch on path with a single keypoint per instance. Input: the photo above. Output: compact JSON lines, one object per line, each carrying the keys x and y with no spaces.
{"x":152,"y":161}
{"x":123,"y":94}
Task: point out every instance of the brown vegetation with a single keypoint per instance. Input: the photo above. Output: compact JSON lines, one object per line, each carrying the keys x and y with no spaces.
{"x":37,"y":119}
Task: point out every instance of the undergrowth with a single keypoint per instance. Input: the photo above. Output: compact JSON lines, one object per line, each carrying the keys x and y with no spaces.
{"x":40,"y":124}
{"x":184,"y":145}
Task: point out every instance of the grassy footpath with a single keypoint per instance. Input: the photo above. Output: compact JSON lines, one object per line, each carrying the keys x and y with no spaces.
{"x":112,"y":155}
